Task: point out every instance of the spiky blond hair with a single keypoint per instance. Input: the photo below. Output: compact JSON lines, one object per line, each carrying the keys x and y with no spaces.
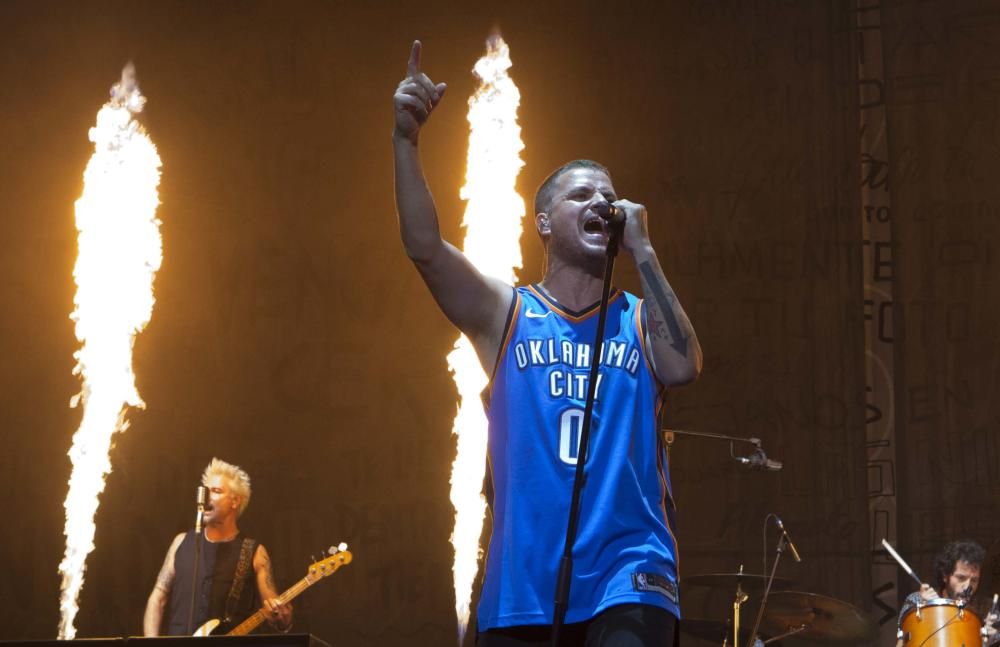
{"x":239,"y":480}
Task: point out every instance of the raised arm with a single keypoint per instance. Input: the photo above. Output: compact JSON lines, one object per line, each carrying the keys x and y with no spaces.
{"x":669,"y":334}
{"x":152,"y":620}
{"x":476,"y":304}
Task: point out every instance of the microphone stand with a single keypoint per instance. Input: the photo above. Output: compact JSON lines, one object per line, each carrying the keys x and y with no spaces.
{"x":615,"y":230}
{"x":197,"y":563}
{"x":782,"y":540}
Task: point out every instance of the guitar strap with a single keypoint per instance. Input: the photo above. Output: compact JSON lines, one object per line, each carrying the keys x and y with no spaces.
{"x":239,"y":578}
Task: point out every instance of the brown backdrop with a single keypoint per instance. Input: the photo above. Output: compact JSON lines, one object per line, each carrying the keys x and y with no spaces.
{"x":291,"y":335}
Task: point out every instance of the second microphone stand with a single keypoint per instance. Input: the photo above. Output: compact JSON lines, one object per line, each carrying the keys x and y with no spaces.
{"x":782,"y":542}
{"x":197,"y":559}
{"x":615,"y":231}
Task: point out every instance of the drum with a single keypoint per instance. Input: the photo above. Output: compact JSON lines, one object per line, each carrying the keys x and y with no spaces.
{"x":941,"y":623}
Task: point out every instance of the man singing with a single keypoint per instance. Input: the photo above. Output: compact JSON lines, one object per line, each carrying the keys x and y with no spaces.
{"x":536,"y":344}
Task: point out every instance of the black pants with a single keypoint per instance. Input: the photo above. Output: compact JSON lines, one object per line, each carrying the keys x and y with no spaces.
{"x":626,"y":625}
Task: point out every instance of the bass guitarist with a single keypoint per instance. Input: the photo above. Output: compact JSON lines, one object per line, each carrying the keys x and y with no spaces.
{"x":234,"y":572}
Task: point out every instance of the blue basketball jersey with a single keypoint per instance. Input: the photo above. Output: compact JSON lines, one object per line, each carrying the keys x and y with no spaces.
{"x":625,"y":551}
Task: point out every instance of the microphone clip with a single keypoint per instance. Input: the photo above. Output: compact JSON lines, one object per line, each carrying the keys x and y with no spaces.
{"x":758,"y":460}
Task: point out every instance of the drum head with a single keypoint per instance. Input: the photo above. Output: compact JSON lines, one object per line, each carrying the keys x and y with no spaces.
{"x":937,"y":603}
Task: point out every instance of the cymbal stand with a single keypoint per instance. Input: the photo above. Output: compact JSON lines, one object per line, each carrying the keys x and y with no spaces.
{"x":738,"y":601}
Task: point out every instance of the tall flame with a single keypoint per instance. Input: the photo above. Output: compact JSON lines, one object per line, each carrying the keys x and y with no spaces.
{"x":119,"y":253}
{"x":492,"y":243}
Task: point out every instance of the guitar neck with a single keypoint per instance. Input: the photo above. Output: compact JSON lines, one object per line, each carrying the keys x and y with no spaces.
{"x":256,"y":619}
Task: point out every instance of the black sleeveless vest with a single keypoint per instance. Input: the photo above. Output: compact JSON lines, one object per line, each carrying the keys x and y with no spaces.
{"x":215,"y":580}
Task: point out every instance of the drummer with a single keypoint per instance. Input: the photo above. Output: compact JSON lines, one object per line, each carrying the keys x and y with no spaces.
{"x":956,"y":571}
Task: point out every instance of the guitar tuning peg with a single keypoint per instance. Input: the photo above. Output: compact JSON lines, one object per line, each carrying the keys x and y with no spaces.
{"x":342,"y":546}
{"x":313,"y":558}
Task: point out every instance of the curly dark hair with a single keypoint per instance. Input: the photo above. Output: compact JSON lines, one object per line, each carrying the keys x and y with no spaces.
{"x":954,"y":552}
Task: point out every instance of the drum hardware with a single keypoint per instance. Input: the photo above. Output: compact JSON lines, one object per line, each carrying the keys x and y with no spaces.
{"x":745,"y":584}
{"x":738,"y":601}
{"x":792,"y":632}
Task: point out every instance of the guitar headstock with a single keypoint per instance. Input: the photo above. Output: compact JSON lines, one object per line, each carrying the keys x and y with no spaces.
{"x":339,"y":556}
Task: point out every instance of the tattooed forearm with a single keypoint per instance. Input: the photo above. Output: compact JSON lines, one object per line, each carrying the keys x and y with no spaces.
{"x":164,"y":581}
{"x":265,"y":575}
{"x":269,"y":578}
{"x":664,"y":302}
{"x":265,"y":566}
{"x":657,"y":327}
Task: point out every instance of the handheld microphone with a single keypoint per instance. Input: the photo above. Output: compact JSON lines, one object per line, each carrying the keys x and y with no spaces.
{"x":200,"y":499}
{"x":610,"y":213}
{"x":759,"y":461}
{"x":791,"y":546}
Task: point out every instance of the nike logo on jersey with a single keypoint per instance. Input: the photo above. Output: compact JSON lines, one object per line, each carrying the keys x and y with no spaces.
{"x":531,"y":314}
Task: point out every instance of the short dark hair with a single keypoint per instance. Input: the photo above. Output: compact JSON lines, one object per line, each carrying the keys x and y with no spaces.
{"x":543,"y":196}
{"x":954,"y":552}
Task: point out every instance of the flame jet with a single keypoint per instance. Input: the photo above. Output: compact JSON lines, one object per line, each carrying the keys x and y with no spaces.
{"x":118,"y":256}
{"x":492,"y":220}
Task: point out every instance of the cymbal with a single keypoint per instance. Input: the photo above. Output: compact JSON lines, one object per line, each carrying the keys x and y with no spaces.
{"x":714,"y":631}
{"x":749,"y":581}
{"x":826,"y":619}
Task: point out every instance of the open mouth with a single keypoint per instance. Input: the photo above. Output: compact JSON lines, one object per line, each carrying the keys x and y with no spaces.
{"x":594,"y":225}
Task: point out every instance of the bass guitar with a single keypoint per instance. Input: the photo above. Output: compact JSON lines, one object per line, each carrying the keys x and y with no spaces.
{"x":318,"y":570}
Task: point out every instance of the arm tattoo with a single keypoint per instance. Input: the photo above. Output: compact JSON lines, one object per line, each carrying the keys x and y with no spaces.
{"x":269,"y":577}
{"x":657,"y":328}
{"x":265,"y":566}
{"x":164,"y":581}
{"x":665,"y":303}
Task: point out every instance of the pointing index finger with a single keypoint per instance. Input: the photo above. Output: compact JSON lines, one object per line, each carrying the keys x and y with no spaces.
{"x":413,"y":66}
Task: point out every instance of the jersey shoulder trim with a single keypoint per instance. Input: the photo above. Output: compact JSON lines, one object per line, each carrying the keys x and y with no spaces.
{"x":508,"y":332}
